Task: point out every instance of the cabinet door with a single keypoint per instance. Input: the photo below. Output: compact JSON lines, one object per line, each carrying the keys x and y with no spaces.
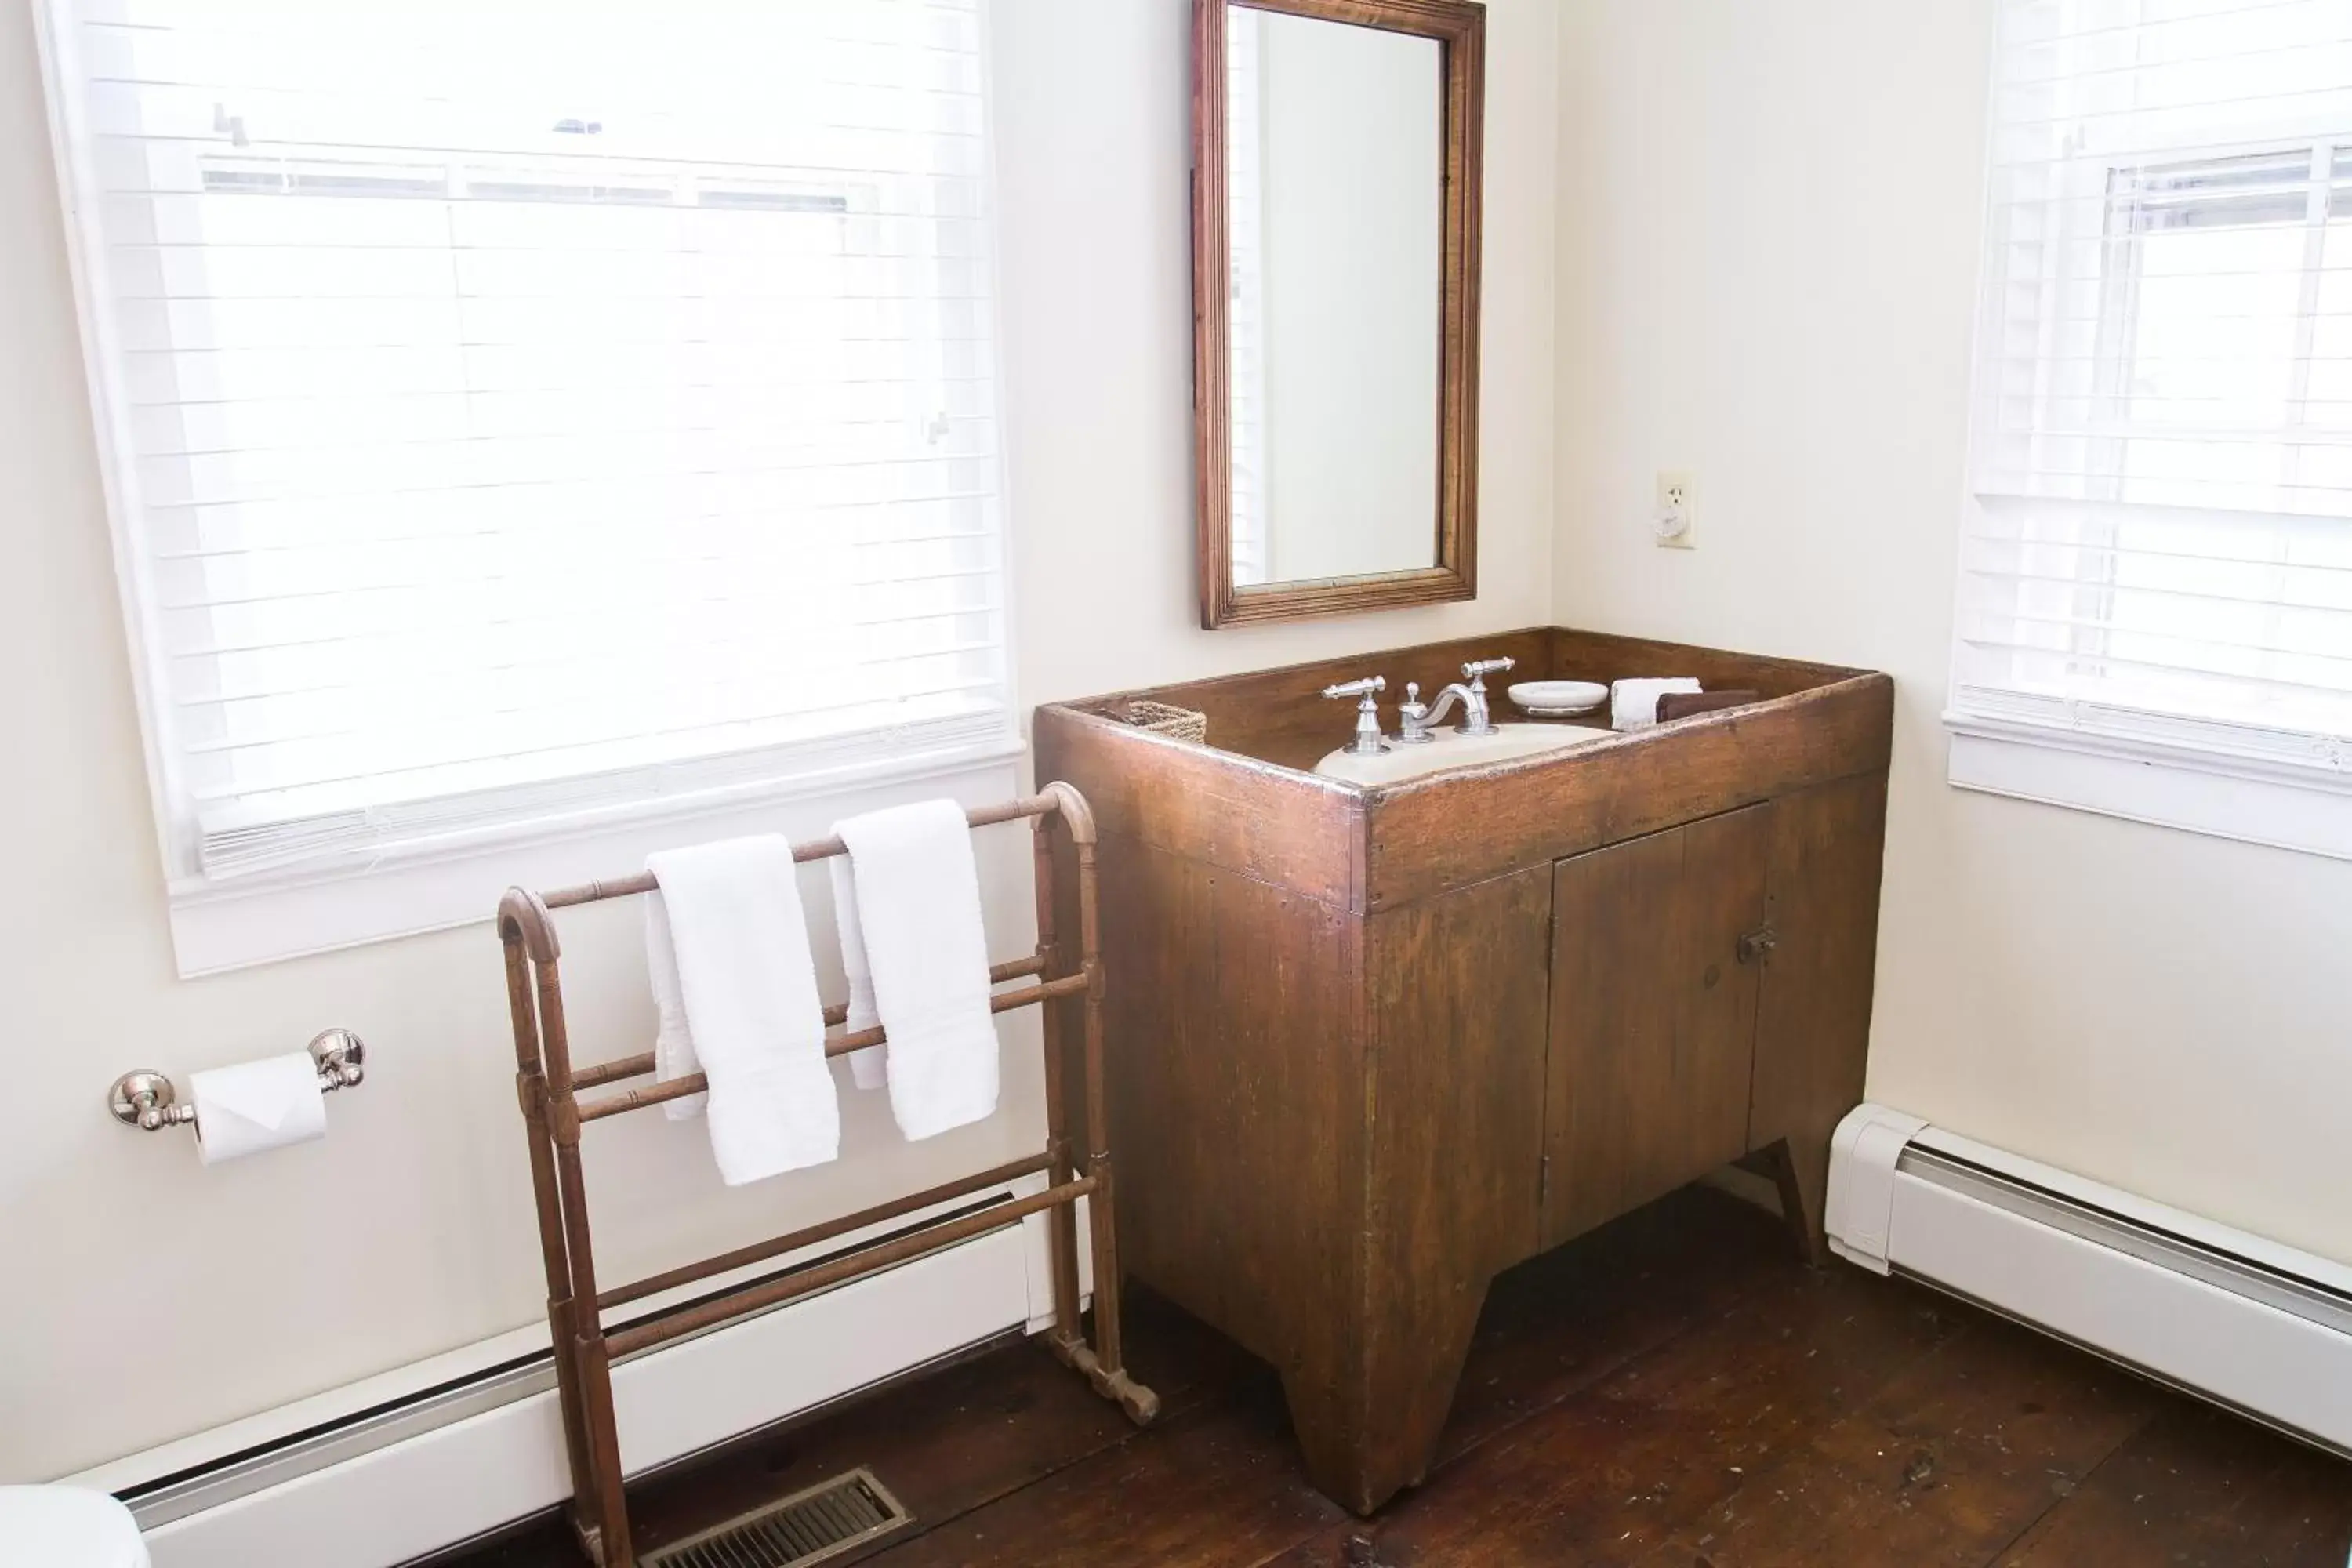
{"x":1653,"y":1017}
{"x":1812,"y":1025}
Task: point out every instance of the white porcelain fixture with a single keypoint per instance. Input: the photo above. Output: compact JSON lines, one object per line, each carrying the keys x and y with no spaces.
{"x":1557,"y":699}
{"x":68,"y":1527}
{"x":1508,"y":744}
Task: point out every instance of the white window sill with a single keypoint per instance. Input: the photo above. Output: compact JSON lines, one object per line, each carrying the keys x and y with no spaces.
{"x":222,"y":924}
{"x":2252,"y":800}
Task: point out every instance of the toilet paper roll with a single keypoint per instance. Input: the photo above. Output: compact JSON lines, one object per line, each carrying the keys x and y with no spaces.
{"x":253,"y":1106}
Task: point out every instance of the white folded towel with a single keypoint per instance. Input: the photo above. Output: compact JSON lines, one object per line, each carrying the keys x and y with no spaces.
{"x":747,"y":993}
{"x":1633,"y":704}
{"x":867,"y":1067}
{"x":912,"y":922}
{"x":673,"y":1041}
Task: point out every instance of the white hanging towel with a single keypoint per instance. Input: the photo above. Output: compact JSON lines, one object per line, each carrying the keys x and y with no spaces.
{"x":673,"y":1041}
{"x":867,"y":1067}
{"x":747,"y":997}
{"x":910,"y":921}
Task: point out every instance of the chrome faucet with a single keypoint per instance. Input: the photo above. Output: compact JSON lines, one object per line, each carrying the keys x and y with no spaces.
{"x":1418,"y":720}
{"x":1369,"y":742}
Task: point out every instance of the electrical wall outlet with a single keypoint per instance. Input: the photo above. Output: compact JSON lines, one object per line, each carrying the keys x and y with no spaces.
{"x":1676,"y":520}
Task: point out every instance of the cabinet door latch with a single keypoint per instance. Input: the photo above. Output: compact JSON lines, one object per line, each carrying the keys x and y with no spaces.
{"x":1757,"y":946}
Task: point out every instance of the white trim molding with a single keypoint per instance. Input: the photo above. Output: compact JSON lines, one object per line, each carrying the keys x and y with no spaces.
{"x":423,"y":1458}
{"x":2269,"y":800}
{"x":2251,"y":1324}
{"x":236,"y":923}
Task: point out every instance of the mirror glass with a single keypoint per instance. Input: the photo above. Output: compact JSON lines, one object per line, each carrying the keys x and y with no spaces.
{"x":1335,"y":181}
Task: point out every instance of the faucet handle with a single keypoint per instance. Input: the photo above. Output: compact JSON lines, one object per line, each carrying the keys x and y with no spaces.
{"x":1369,"y":742}
{"x":1412,"y":716}
{"x":1478,"y":669}
{"x":1476,"y":718}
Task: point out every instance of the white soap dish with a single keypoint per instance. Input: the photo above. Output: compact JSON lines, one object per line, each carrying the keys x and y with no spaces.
{"x":1558,"y":698}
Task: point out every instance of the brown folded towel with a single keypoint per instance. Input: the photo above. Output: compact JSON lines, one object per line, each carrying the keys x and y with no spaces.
{"x":1684,"y":704}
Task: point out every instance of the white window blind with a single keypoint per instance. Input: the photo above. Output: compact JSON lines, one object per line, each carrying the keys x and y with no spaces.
{"x":2160,"y":545}
{"x":527,"y":411}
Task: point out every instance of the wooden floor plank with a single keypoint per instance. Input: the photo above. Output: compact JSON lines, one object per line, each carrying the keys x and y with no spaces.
{"x":1672,"y":1391}
{"x":1610,"y":1474}
{"x":2200,"y":1489}
{"x":1949,"y":1463}
{"x":1563,"y":1319}
{"x":1218,"y":1488}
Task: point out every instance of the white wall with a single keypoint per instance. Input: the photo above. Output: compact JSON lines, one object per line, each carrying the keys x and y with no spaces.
{"x":1770,"y":218}
{"x":147,"y":1297}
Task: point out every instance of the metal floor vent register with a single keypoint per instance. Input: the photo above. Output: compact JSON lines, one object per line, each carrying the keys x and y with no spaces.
{"x":812,"y":1526}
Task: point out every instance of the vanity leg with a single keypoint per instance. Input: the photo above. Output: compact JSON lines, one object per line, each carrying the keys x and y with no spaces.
{"x":1799,"y":1167}
{"x":1413,"y":1359}
{"x":1330,"y":1437}
{"x":1371,"y":1429}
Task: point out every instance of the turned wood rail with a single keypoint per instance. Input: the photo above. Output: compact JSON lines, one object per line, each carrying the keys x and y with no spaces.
{"x":549,"y":1089}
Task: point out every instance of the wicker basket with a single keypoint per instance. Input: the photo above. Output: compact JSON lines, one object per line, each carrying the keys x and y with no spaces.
{"x":1160,"y":719}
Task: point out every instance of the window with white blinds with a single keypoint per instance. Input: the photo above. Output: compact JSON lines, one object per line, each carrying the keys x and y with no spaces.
{"x":527,"y":412}
{"x":2158,"y":549}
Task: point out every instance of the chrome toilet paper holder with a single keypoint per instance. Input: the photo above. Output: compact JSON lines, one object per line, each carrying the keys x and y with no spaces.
{"x":144,"y":1099}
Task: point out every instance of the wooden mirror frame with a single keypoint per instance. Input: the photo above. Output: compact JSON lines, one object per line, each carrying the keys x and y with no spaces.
{"x":1460,"y":27}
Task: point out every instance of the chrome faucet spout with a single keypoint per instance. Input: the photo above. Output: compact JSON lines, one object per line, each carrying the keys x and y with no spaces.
{"x":1448,"y":699}
{"x":1421,"y":720}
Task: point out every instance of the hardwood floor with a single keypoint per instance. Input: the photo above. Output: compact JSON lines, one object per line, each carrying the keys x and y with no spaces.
{"x":1673,"y":1390}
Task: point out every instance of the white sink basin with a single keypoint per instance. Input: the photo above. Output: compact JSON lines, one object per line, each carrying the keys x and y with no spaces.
{"x":1452,"y":750}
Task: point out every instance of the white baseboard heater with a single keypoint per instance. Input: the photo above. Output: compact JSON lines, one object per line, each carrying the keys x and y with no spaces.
{"x":401,"y":1467}
{"x":2262,"y":1329}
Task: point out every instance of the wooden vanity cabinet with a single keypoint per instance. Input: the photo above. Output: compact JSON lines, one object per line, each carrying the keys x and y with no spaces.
{"x":1368,"y":1048}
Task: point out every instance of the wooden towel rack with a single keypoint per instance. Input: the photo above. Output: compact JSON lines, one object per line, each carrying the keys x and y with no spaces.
{"x":549,"y":1088}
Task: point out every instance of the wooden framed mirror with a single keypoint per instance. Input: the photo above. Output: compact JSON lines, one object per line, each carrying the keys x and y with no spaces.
{"x":1336,"y":154}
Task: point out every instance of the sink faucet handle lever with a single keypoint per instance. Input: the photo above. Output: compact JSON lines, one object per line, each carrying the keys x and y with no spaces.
{"x":1478,"y":669}
{"x":1369,"y":742}
{"x":1476,"y":718}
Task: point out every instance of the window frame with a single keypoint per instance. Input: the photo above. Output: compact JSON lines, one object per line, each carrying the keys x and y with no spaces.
{"x":219,"y":923}
{"x":2289,"y":789}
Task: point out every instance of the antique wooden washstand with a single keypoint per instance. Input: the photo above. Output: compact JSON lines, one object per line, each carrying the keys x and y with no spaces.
{"x":1378,"y":1042}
